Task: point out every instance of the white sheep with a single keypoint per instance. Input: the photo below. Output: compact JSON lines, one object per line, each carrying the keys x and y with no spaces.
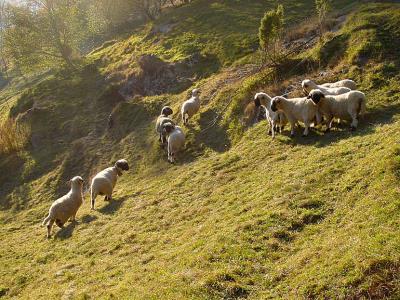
{"x":65,"y":207}
{"x":104,"y":182}
{"x":161,"y":120}
{"x":176,"y":140}
{"x":276,"y":120}
{"x":309,"y":85}
{"x":191,"y":106}
{"x":342,"y":83}
{"x":346,"y":106}
{"x":296,"y":109}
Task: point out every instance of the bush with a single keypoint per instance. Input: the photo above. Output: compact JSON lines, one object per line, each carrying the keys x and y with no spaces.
{"x":270,"y":33}
{"x":13,"y":136}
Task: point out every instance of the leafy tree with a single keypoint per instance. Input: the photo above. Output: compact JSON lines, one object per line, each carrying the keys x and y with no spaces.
{"x":149,"y":9}
{"x":44,"y":32}
{"x":270,"y":33}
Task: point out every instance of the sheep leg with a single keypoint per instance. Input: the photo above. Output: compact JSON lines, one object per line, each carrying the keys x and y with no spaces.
{"x":272,"y":126}
{"x":306,"y":126}
{"x":354,"y":122}
{"x":292,"y":127}
{"x":184,"y":118}
{"x":269,"y":127}
{"x":329,"y":122}
{"x":59,"y":223}
{"x":49,"y":226}
{"x":92,"y":200}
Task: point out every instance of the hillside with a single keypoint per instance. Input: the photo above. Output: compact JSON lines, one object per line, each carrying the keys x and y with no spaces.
{"x":239,"y":215}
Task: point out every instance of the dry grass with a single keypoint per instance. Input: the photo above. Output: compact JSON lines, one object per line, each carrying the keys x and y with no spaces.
{"x":13,"y":136}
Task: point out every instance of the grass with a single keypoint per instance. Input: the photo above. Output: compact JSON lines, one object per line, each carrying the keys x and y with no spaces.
{"x":13,"y":136}
{"x":239,"y":216}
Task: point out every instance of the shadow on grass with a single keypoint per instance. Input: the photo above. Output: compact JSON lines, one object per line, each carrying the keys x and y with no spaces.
{"x":112,"y":206}
{"x":86,"y":219}
{"x":367,"y":124}
{"x":213,"y":136}
{"x":66,"y":232}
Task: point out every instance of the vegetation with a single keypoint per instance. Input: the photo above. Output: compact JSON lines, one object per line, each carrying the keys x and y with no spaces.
{"x":323,"y":7}
{"x":239,"y":215}
{"x":270,"y":34}
{"x":13,"y":136}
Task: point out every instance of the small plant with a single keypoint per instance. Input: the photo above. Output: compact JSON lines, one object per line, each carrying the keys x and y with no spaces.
{"x":13,"y":136}
{"x":322,"y":7}
{"x":270,"y":34}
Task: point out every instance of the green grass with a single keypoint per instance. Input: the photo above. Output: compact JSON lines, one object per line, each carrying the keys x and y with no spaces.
{"x":240,"y":215}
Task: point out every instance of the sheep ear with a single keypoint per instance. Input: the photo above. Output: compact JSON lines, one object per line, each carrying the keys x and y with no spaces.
{"x":68,"y":182}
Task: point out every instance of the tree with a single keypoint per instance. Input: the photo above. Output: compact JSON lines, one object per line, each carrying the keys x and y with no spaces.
{"x":149,"y":9}
{"x":43,"y":32}
{"x":322,"y":7}
{"x":270,"y":33}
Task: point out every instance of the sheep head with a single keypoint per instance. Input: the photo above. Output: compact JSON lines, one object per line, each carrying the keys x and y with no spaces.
{"x":121,"y":165}
{"x":262,"y":99}
{"x":168,"y":127}
{"x":307,"y":85}
{"x":276,"y":103}
{"x":316,"y":96}
{"x":76,"y":181}
{"x":195,"y":92}
{"x":166,"y":111}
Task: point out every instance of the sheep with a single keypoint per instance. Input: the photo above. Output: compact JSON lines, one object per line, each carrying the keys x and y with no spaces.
{"x":191,"y":106}
{"x":176,"y":140}
{"x":296,"y":109}
{"x":162,"y":119}
{"x":104,"y":182}
{"x":342,"y":83}
{"x":309,"y":85}
{"x":346,"y":106}
{"x":65,"y":207}
{"x":275,"y":119}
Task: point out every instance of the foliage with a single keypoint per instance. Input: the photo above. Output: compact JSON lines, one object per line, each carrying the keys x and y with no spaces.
{"x":322,"y":7}
{"x":13,"y":136}
{"x":270,"y":33}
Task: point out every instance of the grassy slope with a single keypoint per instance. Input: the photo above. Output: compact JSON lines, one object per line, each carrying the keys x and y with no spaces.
{"x":315,"y":217}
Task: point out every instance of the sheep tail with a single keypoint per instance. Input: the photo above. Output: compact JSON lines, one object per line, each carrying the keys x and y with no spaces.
{"x":46,"y":220}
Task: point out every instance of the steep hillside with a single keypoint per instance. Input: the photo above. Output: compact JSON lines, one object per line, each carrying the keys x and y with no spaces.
{"x":240,"y":215}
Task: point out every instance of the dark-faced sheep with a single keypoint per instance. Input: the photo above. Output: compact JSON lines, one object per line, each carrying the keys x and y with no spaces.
{"x":104,"y":182}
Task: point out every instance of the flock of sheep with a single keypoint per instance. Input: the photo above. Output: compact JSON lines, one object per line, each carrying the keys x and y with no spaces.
{"x":104,"y":182}
{"x":337,"y":100}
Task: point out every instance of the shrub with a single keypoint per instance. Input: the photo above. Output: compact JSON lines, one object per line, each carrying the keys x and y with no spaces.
{"x":13,"y":136}
{"x":270,"y":33}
